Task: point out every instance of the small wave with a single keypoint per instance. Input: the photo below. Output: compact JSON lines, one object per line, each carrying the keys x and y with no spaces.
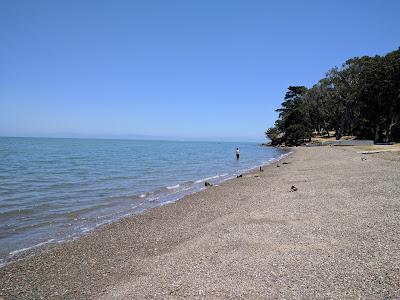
{"x":86,"y":229}
{"x":173,"y":187}
{"x":153,"y":199}
{"x":21,"y":229}
{"x":168,"y":202}
{"x":278,"y":158}
{"x":16,"y":212}
{"x":12,"y":253}
{"x":73,"y":214}
{"x":209,"y":178}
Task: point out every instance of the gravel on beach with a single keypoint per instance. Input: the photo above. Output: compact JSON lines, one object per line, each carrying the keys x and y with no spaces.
{"x":335,"y":236}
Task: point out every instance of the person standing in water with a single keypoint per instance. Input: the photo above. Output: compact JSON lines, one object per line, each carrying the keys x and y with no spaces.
{"x":237,"y":153}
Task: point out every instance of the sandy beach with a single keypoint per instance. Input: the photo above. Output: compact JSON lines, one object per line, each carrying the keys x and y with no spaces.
{"x":336,"y":237}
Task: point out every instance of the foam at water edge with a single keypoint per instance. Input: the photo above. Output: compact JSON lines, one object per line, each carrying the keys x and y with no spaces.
{"x":12,"y":253}
{"x":173,"y":187}
{"x":275,"y":159}
{"x":209,"y":178}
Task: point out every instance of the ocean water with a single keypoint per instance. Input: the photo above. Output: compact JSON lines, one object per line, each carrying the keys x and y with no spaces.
{"x":52,"y":190}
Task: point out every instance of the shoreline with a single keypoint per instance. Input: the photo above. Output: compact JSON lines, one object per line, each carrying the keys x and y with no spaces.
{"x":24,"y":253}
{"x":251,"y":237}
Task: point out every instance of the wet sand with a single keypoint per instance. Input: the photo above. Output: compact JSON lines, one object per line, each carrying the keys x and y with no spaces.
{"x":336,"y":237}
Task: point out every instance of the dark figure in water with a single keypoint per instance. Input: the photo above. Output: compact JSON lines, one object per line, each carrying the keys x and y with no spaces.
{"x":237,"y":153}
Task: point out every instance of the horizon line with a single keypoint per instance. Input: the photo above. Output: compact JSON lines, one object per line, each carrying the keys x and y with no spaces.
{"x":145,"y":138}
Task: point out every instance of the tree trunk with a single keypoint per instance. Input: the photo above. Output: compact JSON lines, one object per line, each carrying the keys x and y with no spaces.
{"x":389,"y":129}
{"x":376,"y":134}
{"x":338,"y":133}
{"x":327,"y":129}
{"x":388,"y":132}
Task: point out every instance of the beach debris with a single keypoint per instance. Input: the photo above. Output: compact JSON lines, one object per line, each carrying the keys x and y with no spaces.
{"x":278,"y":166}
{"x":363,"y":158}
{"x":293,"y":188}
{"x":239,"y":176}
{"x":261,"y":169}
{"x":207,"y":184}
{"x":285,"y":163}
{"x":256,"y":175}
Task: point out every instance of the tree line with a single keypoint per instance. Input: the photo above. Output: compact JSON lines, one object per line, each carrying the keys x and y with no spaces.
{"x":361,"y":99}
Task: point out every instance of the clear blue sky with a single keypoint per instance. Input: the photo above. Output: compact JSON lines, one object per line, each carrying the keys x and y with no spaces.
{"x":195,"y":69}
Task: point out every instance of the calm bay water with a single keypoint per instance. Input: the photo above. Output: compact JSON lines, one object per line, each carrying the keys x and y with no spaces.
{"x":56,"y":189}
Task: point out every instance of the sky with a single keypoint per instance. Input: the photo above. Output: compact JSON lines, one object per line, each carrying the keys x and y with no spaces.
{"x":173,"y":69}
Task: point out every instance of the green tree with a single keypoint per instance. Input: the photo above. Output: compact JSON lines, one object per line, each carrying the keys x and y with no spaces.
{"x":294,"y":120}
{"x":273,"y":134}
{"x":360,"y":98}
